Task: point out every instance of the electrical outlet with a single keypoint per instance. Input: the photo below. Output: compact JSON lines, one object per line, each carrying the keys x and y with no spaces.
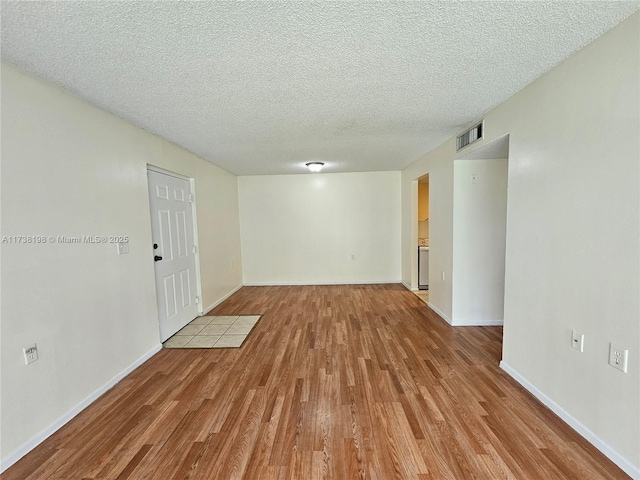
{"x":443,"y":276}
{"x":123,"y":248}
{"x":30,"y":354}
{"x":618,"y":357}
{"x":474,"y":178}
{"x":577,"y":340}
{"x":353,"y":257}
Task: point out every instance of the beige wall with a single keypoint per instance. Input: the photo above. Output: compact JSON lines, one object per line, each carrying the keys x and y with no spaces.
{"x":320,"y":228}
{"x":479,"y":230}
{"x":69,"y":168}
{"x":572,"y":256}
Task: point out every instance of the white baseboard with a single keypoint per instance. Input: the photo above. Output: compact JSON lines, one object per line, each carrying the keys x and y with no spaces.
{"x":47,"y":432}
{"x":218,"y":302}
{"x":466,"y":323}
{"x":435,"y":309}
{"x":408,"y":287}
{"x":629,"y":468}
{"x":477,"y":323}
{"x":296,"y":284}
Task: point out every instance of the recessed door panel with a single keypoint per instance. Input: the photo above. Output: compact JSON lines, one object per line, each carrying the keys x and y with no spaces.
{"x":162,"y":192}
{"x":181,"y":234}
{"x":185,"y":288}
{"x":170,"y":306}
{"x":164,"y":224}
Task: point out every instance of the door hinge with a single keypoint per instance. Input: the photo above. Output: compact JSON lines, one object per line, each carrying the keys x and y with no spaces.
{"x":197,"y":300}
{"x":195,"y":249}
{"x":191,"y":197}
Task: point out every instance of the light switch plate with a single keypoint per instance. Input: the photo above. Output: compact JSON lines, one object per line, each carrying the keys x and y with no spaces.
{"x":577,"y":340}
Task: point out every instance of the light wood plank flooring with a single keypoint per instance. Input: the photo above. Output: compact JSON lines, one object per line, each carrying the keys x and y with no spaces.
{"x":335,"y":382}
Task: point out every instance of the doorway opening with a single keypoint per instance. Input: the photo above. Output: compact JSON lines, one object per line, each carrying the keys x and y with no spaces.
{"x":423,"y":238}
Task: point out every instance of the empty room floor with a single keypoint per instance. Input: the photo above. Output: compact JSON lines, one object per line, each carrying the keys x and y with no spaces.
{"x":335,"y":382}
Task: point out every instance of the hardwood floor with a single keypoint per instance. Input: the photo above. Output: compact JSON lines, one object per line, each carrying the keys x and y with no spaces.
{"x":335,"y":382}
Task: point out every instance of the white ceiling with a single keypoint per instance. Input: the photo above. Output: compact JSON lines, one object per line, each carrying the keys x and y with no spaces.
{"x":262,"y":87}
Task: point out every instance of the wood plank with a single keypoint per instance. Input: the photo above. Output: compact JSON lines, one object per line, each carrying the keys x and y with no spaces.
{"x":359,"y":382}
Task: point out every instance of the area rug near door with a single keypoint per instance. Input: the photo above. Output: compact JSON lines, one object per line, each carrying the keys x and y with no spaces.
{"x":228,"y":331}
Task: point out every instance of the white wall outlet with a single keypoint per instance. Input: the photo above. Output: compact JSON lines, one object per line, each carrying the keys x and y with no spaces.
{"x":30,"y":354}
{"x":618,"y":357}
{"x":443,"y":276}
{"x":123,"y":248}
{"x":353,"y":257}
{"x":577,"y":340}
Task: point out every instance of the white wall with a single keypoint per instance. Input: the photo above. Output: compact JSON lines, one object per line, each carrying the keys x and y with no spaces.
{"x":573,"y":234}
{"x":479,"y":231}
{"x":69,"y":168}
{"x":304,"y":229}
{"x":572,"y":255}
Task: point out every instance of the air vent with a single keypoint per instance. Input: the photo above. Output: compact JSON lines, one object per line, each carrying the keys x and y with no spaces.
{"x":467,"y":138}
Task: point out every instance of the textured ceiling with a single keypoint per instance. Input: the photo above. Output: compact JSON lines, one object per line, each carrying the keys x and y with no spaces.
{"x":262,"y":88}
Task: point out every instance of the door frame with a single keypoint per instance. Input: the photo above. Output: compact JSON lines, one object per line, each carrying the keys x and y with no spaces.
{"x":192,"y":187}
{"x":413,"y":255}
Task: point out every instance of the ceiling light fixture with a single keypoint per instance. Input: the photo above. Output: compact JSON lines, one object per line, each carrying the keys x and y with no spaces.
{"x":315,"y":166}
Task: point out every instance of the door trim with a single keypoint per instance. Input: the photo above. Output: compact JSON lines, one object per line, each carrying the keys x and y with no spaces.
{"x":153,"y":168}
{"x":192,"y":186}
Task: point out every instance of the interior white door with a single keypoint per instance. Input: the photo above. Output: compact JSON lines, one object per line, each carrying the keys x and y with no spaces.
{"x":174,"y":251}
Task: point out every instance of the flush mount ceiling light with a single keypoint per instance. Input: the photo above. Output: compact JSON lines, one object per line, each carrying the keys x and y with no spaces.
{"x":315,"y":166}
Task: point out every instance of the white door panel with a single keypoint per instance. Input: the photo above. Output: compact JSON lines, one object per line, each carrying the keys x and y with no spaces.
{"x":172,"y":230}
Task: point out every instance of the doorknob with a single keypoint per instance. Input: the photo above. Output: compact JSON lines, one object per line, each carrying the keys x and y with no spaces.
{"x":157,"y":258}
